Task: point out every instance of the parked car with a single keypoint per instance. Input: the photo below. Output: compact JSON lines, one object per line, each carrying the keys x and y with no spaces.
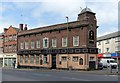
{"x":100,"y":66}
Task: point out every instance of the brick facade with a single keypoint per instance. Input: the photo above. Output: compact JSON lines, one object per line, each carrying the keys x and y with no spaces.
{"x":81,"y":41}
{"x":10,"y":46}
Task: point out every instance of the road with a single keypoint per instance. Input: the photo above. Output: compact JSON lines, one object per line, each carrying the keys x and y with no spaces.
{"x":53,"y":75}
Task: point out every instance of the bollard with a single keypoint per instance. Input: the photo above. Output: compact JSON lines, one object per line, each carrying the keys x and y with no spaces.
{"x":117,"y":69}
{"x":110,"y":68}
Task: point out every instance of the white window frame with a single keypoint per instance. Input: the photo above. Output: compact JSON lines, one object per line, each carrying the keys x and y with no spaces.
{"x":76,"y":40}
{"x":107,"y":41}
{"x":54,"y":42}
{"x":21,"y":45}
{"x":38,"y":44}
{"x":44,"y":46}
{"x":64,"y":42}
{"x":32,"y":44}
{"x":26,"y":45}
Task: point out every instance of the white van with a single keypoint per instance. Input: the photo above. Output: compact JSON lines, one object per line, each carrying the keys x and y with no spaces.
{"x":109,"y":62}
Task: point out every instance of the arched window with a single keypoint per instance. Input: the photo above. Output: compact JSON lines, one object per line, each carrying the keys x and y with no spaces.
{"x":91,"y":35}
{"x":80,"y":61}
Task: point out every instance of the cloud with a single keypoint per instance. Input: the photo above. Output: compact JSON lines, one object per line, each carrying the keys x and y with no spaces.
{"x":47,"y":12}
{"x":62,"y":7}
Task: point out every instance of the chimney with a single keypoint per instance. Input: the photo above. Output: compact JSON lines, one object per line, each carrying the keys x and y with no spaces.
{"x":25,"y":28}
{"x":21,"y":27}
{"x":5,"y":30}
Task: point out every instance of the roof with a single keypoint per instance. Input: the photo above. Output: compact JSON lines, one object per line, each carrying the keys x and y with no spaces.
{"x":52,"y":27}
{"x":108,"y":36}
{"x":86,"y":10}
{"x":17,"y":29}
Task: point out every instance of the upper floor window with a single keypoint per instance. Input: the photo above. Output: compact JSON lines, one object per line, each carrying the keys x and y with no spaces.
{"x":76,"y":41}
{"x":14,"y":37}
{"x":107,"y":41}
{"x":53,"y":42}
{"x":10,"y":47}
{"x":6,"y":39}
{"x":26,"y":45}
{"x":21,"y":45}
{"x":45,"y":42}
{"x":117,"y":48}
{"x":107,"y":49}
{"x":99,"y":42}
{"x":32,"y":44}
{"x":10,"y":37}
{"x":64,"y":42}
{"x":117,"y":39}
{"x":38,"y":43}
{"x":91,"y":35}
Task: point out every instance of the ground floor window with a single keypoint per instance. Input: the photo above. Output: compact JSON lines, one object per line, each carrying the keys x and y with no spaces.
{"x":32,"y":59}
{"x":37,"y":59}
{"x":45,"y":59}
{"x":1,"y":62}
{"x":80,"y":61}
{"x":64,"y":58}
{"x":91,"y":58}
{"x":21,"y":58}
{"x":75,"y":59}
{"x":26,"y":59}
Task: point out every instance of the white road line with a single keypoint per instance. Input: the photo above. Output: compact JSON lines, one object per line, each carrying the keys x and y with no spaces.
{"x":41,"y":74}
{"x":76,"y":79}
{"x":112,"y":75}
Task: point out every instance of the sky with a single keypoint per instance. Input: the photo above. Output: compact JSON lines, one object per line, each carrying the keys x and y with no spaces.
{"x":39,"y":13}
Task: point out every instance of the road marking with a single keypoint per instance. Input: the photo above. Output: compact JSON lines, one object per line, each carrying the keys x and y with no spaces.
{"x":112,"y":75}
{"x":41,"y":74}
{"x":76,"y":79}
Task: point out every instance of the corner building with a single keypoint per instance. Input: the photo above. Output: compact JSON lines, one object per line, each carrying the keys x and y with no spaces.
{"x":60,"y":46}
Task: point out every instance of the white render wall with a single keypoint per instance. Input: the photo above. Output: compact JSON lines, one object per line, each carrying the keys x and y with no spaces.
{"x":112,"y":45}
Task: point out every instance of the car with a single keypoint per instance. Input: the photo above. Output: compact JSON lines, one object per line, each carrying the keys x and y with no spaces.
{"x":100,"y":66}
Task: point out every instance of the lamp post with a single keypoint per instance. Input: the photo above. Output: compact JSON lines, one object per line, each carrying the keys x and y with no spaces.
{"x":67,"y":43}
{"x":117,"y":69}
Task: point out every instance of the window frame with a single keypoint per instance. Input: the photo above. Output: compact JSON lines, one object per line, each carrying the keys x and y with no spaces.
{"x":74,"y":41}
{"x":64,"y":42}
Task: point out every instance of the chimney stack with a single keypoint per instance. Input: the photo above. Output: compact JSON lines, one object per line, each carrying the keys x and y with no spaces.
{"x":25,"y":28}
{"x":5,"y":30}
{"x":21,"y":27}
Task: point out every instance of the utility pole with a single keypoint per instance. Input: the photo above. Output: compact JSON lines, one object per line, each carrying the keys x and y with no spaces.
{"x":67,"y":43}
{"x":117,"y":69}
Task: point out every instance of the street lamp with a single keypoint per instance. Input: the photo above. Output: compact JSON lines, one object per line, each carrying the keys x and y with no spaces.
{"x":67,"y":43}
{"x":117,"y":62}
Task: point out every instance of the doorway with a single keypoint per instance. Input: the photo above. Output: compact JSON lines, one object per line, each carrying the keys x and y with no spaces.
{"x":92,"y":65}
{"x":53,"y":61}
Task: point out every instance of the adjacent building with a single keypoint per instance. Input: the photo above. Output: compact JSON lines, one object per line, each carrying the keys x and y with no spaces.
{"x":1,"y":49}
{"x":109,"y":45}
{"x":60,"y":46}
{"x":10,"y":46}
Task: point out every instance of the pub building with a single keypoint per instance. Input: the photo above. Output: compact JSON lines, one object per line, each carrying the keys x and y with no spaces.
{"x":61,"y":46}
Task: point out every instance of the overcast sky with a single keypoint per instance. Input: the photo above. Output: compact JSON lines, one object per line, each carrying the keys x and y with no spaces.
{"x":49,"y":12}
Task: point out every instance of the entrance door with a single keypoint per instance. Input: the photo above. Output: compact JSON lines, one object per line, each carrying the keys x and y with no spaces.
{"x":53,"y":61}
{"x":92,"y":65}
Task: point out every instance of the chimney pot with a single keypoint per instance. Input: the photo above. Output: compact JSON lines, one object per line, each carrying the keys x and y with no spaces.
{"x":21,"y":27}
{"x":25,"y":28}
